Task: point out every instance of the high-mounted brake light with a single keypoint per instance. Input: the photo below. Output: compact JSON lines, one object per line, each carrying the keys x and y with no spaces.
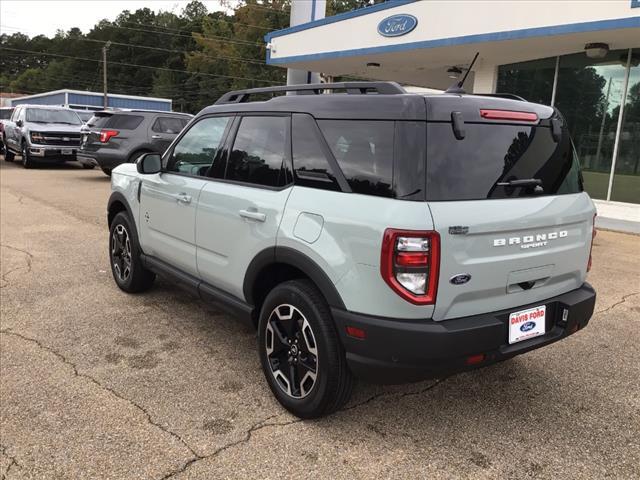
{"x":105,"y":135}
{"x":410,"y":263}
{"x":509,"y":115}
{"x":593,"y":236}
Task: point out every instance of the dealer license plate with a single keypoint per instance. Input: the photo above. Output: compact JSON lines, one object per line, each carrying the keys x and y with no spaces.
{"x":527,"y":324}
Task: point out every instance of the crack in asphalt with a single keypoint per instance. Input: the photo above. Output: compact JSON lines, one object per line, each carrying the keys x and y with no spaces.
{"x":29,"y":258}
{"x":12,"y":461}
{"x":623,"y":300}
{"x":262,"y":424}
{"x":67,"y":362}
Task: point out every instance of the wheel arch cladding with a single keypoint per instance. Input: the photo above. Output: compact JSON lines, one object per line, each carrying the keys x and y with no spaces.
{"x":277,"y":264}
{"x":117,"y":203}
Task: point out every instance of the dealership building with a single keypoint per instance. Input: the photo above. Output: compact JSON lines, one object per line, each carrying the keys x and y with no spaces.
{"x":83,"y":100}
{"x":580,"y":56}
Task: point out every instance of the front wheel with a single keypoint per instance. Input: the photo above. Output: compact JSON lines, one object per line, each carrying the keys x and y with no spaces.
{"x":124,"y":255}
{"x":301,"y":355}
{"x":27,"y":161}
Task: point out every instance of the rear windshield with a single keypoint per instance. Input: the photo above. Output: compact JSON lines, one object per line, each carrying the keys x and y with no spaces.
{"x":471,"y":168}
{"x":5,"y":113}
{"x":118,"y":122}
{"x":41,"y":115}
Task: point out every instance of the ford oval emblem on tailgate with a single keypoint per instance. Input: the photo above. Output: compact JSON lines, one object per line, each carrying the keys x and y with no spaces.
{"x":460,"y":279}
{"x":397,"y":25}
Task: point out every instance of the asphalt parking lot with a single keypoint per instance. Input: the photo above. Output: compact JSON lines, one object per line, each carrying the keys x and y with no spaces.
{"x":95,"y":383}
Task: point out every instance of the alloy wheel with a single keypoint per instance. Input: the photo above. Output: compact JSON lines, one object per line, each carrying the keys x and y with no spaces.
{"x":121,"y":252}
{"x":292,"y":351}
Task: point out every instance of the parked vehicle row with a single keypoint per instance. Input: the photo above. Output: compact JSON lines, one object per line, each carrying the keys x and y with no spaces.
{"x":367,"y":232}
{"x":47,"y":134}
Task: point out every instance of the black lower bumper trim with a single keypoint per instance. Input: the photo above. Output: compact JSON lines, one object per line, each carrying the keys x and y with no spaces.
{"x":399,"y":351}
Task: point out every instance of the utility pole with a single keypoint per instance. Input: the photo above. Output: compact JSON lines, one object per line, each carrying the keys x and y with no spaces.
{"x":104,"y":73}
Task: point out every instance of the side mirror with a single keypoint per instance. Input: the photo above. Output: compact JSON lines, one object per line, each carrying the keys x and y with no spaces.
{"x":19,"y":123}
{"x":149,"y":163}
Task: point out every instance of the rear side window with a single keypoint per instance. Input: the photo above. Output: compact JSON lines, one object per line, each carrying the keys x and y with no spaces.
{"x":471,"y":168}
{"x":364,"y":151}
{"x":124,"y":122}
{"x":259,"y":151}
{"x":5,"y":113}
{"x":311,"y":167}
{"x":169,"y":125}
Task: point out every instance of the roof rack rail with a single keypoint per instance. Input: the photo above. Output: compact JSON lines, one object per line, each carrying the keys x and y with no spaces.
{"x":511,"y":96}
{"x":354,"y":88}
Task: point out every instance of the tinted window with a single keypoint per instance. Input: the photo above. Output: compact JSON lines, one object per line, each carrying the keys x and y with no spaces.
{"x":310,"y":165}
{"x":364,"y":151}
{"x":410,"y":154}
{"x":169,"y":125}
{"x":99,"y":121}
{"x":41,"y":115}
{"x":124,"y":122}
{"x":470,"y":169}
{"x":258,"y":151}
{"x":196,"y":150}
{"x":5,"y":113}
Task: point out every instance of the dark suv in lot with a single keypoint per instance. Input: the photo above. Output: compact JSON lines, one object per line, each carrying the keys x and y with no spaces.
{"x":112,"y":137}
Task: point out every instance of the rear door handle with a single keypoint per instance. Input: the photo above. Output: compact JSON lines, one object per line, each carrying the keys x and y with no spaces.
{"x":251,"y":215}
{"x":183,"y":198}
{"x":156,"y":137}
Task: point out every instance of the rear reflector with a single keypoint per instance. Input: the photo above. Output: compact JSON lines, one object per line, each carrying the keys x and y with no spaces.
{"x":356,"y":332}
{"x":475,"y":359}
{"x":509,"y":115}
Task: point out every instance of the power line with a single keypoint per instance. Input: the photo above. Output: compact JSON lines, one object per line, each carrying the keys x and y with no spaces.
{"x":125,"y":64}
{"x":210,"y":37}
{"x":136,"y":45}
{"x":200,"y":23}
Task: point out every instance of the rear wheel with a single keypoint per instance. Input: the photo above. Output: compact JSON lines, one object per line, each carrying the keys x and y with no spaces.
{"x":124,"y":255}
{"x":301,"y":354}
{"x":9,"y":156}
{"x":27,"y":161}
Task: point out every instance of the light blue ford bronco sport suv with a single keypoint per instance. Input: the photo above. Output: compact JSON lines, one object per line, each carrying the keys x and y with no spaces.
{"x":364,"y":231}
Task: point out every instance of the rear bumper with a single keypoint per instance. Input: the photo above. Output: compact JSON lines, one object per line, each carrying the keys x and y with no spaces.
{"x":104,"y":158}
{"x":399,"y":351}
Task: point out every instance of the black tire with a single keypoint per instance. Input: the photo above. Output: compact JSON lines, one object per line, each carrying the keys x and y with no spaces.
{"x":123,"y":256}
{"x":106,"y":171}
{"x":9,"y":156}
{"x":333,"y":382}
{"x":27,"y":161}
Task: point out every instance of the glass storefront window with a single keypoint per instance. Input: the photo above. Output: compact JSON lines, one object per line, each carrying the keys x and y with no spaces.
{"x":626,"y":181}
{"x":589,"y":95}
{"x":532,"y":80}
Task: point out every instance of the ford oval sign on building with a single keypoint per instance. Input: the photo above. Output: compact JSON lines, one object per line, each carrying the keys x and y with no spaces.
{"x":397,"y":25}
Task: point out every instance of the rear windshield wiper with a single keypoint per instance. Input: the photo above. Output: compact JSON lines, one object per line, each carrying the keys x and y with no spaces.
{"x":536,"y":183}
{"x":525,"y":182}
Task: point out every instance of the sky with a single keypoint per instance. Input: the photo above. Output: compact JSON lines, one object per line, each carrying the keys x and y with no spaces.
{"x":34,"y":17}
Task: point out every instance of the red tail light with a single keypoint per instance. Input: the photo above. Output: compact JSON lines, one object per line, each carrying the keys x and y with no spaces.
{"x":410,"y":262}
{"x":509,"y":115}
{"x":105,"y":135}
{"x":593,"y":236}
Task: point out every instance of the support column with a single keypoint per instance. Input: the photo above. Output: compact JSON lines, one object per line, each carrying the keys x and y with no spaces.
{"x":485,"y":78}
{"x":304,"y":11}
